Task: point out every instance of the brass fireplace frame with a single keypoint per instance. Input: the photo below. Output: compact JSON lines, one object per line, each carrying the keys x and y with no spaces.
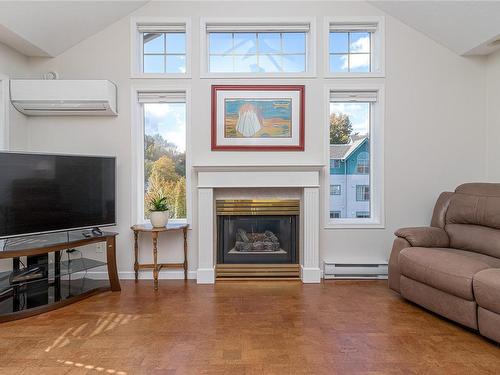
{"x":232,"y":207}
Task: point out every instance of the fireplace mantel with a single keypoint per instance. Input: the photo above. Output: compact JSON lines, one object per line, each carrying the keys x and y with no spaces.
{"x":305,"y":177}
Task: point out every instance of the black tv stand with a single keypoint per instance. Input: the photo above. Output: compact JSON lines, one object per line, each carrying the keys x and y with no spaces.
{"x":96,"y":231}
{"x":64,"y":278}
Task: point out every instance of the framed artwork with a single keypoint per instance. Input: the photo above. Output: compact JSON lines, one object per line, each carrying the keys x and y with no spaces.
{"x":258,"y":118}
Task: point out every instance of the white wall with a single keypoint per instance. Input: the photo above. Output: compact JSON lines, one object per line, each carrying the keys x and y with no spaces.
{"x":14,"y":65}
{"x":493,"y":116}
{"x":433,"y":99}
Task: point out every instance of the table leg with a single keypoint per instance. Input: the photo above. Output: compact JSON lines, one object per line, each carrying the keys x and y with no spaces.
{"x":155,"y":259}
{"x":185,"y":254}
{"x":114,"y":281}
{"x":136,"y":254}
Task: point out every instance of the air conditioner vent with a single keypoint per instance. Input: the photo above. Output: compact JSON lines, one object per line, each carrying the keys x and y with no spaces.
{"x":63,"y":97}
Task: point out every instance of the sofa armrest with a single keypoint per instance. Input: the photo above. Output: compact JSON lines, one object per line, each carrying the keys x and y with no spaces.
{"x":424,"y":236}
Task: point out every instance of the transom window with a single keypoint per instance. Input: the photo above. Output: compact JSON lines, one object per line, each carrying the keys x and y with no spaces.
{"x":258,"y":48}
{"x":163,"y":48}
{"x":350,"y":51}
{"x":164,"y":131}
{"x":355,"y":46}
{"x":264,"y":52}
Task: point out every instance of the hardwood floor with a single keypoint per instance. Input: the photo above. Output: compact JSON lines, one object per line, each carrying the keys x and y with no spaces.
{"x":348,"y":327}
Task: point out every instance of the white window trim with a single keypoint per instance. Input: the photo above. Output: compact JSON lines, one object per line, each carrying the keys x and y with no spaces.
{"x":310,"y":46}
{"x":136,"y":47}
{"x":4,"y":109}
{"x":377,"y":47}
{"x":137,"y":147}
{"x":376,"y":159}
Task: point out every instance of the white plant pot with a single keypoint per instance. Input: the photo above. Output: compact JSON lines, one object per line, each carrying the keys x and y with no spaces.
{"x":159,"y":219}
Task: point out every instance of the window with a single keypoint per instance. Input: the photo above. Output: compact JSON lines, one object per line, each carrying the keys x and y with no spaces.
{"x":265,"y":52}
{"x":355,"y":124}
{"x":335,"y":190}
{"x":363,"y":163}
{"x":164,"y":151}
{"x":355,"y":46}
{"x":362,"y":193}
{"x":249,"y":49}
{"x":160,"y":48}
{"x":335,"y":214}
{"x":362,"y":214}
{"x":164,"y":52}
{"x":335,"y":163}
{"x":350,"y":51}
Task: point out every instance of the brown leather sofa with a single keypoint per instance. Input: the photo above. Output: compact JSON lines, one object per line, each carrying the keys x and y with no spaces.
{"x":453,"y":267}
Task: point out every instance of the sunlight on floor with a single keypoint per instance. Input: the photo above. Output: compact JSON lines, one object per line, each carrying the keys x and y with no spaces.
{"x":103,"y":324}
{"x":91,"y":367}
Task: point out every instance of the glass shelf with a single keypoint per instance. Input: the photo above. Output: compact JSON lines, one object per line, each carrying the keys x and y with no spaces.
{"x":44,"y":293}
{"x":67,"y":268}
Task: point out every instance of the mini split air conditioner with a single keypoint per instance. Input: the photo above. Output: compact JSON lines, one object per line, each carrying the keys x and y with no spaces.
{"x":35,"y":97}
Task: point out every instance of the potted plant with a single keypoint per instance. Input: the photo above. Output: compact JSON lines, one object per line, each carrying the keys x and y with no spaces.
{"x":158,"y":208}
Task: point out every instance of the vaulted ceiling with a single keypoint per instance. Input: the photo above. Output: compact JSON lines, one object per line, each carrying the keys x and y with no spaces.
{"x":48,"y":28}
{"x":465,"y":27}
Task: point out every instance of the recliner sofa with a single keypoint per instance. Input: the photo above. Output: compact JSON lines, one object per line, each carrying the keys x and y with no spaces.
{"x":453,"y":267}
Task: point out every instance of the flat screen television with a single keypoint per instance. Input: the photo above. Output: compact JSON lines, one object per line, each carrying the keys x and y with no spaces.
{"x":41,"y":193}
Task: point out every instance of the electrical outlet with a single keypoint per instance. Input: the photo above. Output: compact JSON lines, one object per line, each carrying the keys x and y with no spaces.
{"x":99,"y":249}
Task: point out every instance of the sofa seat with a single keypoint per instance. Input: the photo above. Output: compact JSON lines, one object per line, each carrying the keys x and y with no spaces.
{"x":446,"y":269}
{"x":487,"y":289}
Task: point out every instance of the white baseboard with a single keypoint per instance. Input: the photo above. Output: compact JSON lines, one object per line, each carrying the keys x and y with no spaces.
{"x":205,"y":276}
{"x":310,"y":275}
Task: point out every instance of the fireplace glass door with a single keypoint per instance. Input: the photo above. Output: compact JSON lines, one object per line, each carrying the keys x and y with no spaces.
{"x":257,"y":239}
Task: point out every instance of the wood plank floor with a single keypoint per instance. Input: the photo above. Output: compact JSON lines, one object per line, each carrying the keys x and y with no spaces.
{"x":349,"y":327}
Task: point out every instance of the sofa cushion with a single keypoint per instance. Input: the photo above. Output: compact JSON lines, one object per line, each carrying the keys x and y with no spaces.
{"x":474,"y":209}
{"x":446,"y":269}
{"x":487,"y":289}
{"x":475,"y":238}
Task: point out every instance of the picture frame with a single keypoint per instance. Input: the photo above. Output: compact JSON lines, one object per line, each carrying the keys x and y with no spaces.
{"x":258,"y":117}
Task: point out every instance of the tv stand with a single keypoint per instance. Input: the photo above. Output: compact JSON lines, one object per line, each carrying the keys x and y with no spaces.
{"x":64,"y":278}
{"x":96,"y":231}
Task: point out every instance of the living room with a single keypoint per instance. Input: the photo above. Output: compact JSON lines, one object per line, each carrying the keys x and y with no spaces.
{"x":283,"y":187}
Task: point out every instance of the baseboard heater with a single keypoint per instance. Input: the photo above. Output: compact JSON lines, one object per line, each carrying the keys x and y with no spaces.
{"x":342,"y":270}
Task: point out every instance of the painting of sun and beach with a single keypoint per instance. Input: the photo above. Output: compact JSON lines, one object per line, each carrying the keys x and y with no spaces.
{"x":258,"y":118}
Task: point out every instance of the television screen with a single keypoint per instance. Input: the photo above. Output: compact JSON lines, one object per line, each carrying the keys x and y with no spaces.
{"x":47,"y":193}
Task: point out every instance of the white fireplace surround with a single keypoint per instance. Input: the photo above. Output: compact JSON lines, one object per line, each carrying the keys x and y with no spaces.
{"x":304,"y":178}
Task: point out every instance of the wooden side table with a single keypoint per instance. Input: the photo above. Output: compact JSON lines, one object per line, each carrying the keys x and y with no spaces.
{"x":148,"y":228}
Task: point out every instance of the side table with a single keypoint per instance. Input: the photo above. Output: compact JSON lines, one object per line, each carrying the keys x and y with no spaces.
{"x":156,"y":267}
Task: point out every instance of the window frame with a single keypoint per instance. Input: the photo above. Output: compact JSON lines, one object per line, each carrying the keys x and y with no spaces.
{"x":136,"y":46}
{"x":137,"y":145}
{"x":377,"y":47}
{"x":272,"y":22}
{"x":377,"y":116}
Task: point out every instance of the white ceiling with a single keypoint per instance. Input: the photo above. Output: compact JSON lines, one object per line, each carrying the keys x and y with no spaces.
{"x":48,"y":28}
{"x":465,"y":27}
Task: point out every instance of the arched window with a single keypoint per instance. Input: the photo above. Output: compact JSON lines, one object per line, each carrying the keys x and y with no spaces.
{"x":363,"y":163}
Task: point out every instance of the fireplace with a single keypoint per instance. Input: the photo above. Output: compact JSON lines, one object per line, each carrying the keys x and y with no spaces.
{"x":257,"y":238}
